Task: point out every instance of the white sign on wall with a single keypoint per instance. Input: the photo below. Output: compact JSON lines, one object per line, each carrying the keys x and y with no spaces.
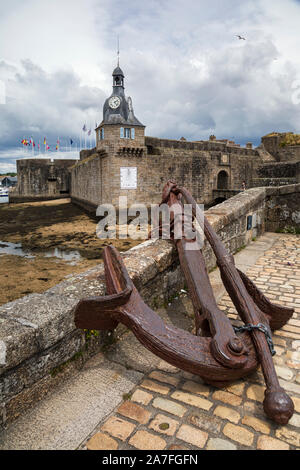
{"x":128,"y":177}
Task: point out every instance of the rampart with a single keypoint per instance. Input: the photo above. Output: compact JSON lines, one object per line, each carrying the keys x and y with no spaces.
{"x":282,"y":146}
{"x":42,"y":179}
{"x":277,"y":174}
{"x":39,"y":344}
{"x":201,"y":167}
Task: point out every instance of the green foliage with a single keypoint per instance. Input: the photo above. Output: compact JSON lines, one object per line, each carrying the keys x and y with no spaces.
{"x":164,"y":426}
{"x":240,"y":248}
{"x":289,"y":229}
{"x":127,"y":396}
{"x":91,"y":333}
{"x":290,"y":139}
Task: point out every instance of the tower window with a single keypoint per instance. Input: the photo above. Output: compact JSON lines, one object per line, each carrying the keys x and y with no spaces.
{"x":127,"y":133}
{"x":101,"y":134}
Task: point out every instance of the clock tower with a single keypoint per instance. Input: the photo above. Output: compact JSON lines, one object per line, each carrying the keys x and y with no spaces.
{"x":120,"y":130}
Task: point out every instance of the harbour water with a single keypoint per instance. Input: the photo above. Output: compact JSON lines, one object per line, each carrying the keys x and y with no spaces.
{"x":8,"y":248}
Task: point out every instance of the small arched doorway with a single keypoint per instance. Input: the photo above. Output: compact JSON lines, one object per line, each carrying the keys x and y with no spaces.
{"x":222,"y":180}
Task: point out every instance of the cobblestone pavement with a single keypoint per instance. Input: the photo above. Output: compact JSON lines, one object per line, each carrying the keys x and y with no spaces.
{"x":171,"y":409}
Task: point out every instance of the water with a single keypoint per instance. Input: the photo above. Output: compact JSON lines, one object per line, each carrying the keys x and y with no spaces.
{"x":8,"y":248}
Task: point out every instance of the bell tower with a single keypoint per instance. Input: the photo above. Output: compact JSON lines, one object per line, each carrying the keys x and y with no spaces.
{"x":120,"y":130}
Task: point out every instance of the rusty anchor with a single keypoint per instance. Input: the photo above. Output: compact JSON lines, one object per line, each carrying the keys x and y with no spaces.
{"x":218,"y":352}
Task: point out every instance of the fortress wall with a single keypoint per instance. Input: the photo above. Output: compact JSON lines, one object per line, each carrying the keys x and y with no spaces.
{"x":41,"y":179}
{"x":287,"y":153}
{"x":217,"y":146}
{"x":86,"y":178}
{"x":277,"y":174}
{"x":40,"y":346}
{"x":283,"y":208}
{"x":96,"y":179}
{"x":278,"y":170}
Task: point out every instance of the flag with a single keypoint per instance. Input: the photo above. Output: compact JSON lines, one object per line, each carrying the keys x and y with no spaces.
{"x":56,"y":147}
{"x":89,"y":132}
{"x":47,"y":147}
{"x":84,"y":128}
{"x":45,"y":141}
{"x":71,"y":141}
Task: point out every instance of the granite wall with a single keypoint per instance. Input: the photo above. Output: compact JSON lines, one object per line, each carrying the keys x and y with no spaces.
{"x":41,"y":179}
{"x":196,"y":165}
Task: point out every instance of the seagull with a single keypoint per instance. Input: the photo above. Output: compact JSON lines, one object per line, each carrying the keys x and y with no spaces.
{"x":240,"y":37}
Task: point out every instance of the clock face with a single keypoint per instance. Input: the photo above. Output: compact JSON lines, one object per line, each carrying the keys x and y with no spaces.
{"x":114,"y":102}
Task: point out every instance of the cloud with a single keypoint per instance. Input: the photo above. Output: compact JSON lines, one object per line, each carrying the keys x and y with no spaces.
{"x":40,"y":104}
{"x":185,"y":69}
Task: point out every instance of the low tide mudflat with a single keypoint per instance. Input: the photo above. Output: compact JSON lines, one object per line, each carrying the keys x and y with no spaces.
{"x":42,"y":242}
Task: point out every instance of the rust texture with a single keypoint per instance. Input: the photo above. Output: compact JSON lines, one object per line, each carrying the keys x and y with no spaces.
{"x":217,"y":352}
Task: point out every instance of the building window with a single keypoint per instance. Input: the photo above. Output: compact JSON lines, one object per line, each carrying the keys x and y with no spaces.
{"x":127,"y":133}
{"x":101,"y":134}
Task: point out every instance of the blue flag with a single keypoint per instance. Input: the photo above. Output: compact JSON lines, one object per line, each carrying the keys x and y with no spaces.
{"x":71,"y":141}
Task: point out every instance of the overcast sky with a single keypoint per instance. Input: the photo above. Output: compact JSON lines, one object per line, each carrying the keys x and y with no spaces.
{"x":187,"y":72}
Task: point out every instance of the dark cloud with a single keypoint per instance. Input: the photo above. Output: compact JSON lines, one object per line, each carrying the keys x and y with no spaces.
{"x":40,"y":104}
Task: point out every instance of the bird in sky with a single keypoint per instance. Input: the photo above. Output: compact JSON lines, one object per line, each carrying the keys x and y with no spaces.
{"x":240,"y":37}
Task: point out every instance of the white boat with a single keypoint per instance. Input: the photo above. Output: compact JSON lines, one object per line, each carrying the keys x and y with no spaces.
{"x":4,"y":192}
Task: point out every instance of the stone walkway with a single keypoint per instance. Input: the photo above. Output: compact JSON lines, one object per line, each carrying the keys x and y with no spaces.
{"x":127,"y":398}
{"x":171,"y":409}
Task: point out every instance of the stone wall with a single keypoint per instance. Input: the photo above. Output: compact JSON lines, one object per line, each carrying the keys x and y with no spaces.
{"x":39,"y":344}
{"x":287,"y":153}
{"x":113,"y":141}
{"x":277,"y":174}
{"x":196,"y":165}
{"x":42,"y":179}
{"x":283,"y":209}
{"x":86,"y":180}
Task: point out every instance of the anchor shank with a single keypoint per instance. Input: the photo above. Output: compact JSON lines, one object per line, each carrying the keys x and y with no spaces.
{"x":277,"y":403}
